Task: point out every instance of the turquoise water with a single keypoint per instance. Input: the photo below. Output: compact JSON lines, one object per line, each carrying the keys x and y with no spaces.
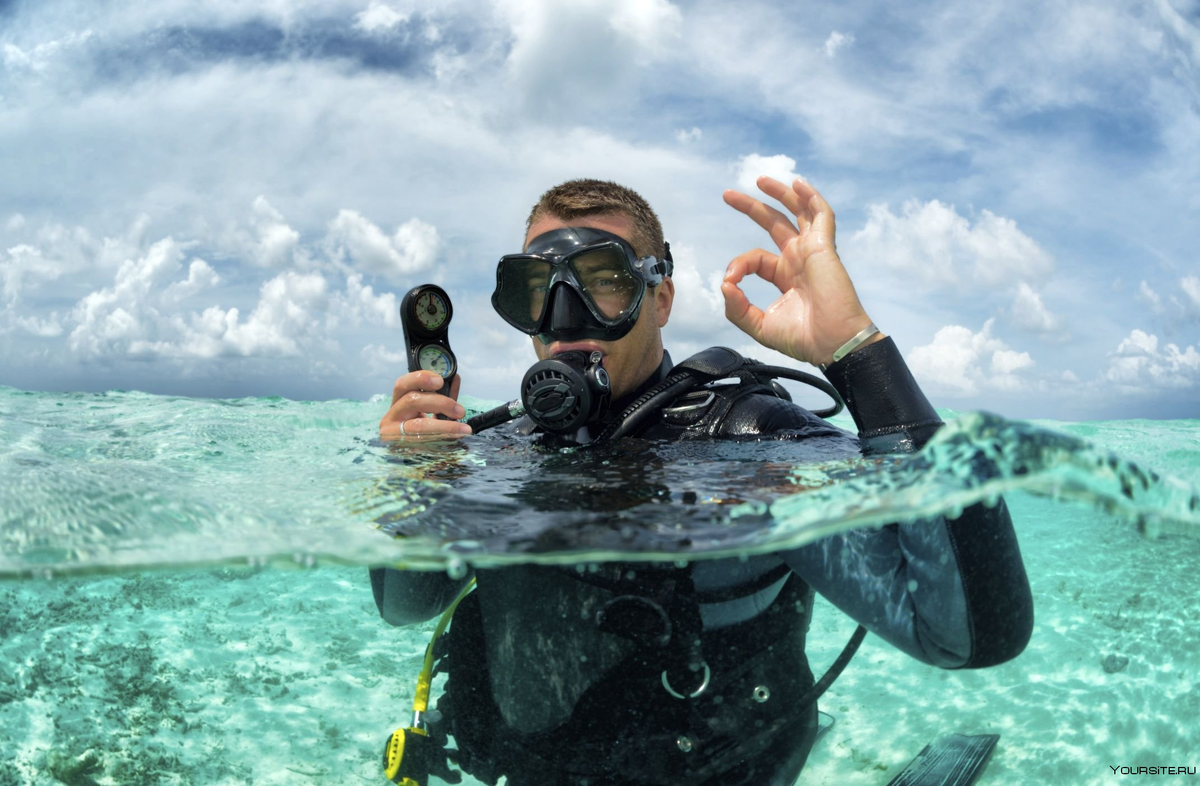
{"x":148,"y":633}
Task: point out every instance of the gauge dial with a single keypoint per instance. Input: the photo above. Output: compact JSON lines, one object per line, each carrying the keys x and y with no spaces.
{"x":435,"y":358}
{"x":430,"y":310}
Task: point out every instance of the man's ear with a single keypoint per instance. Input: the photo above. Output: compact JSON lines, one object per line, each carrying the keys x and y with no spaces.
{"x":664,"y":297}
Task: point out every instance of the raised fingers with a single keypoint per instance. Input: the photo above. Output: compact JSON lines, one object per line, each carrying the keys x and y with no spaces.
{"x":757,"y":261}
{"x":778,"y":226}
{"x":788,"y":196}
{"x":738,"y":309}
{"x":822,"y":217}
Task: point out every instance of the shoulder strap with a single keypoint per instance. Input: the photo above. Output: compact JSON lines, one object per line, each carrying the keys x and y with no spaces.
{"x":703,"y":367}
{"x":707,"y":366}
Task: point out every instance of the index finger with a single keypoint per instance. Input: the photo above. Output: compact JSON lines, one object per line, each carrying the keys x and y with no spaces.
{"x":427,"y":381}
{"x":778,"y":226}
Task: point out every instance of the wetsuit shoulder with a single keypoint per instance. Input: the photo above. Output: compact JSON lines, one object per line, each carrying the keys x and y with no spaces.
{"x":767,"y":414}
{"x":739,"y":411}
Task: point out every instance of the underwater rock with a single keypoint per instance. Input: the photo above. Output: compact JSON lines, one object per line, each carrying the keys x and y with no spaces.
{"x":75,"y":770}
{"x":1114,"y":663}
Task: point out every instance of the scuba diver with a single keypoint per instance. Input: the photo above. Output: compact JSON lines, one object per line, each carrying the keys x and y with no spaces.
{"x":638,"y":675}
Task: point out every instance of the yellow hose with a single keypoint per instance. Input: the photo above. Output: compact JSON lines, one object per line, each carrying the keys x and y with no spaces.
{"x":425,"y":679}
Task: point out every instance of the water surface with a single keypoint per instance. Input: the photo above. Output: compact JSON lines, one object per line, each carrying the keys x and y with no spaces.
{"x":147,"y":633}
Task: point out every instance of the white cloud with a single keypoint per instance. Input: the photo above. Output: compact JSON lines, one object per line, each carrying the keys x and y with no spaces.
{"x":441,"y":128}
{"x":1182,"y":303}
{"x":780,"y":167}
{"x":132,"y":318}
{"x":56,"y":252}
{"x":931,"y":242}
{"x":1006,"y":361}
{"x":698,"y":306}
{"x":200,"y":277}
{"x":360,"y":303}
{"x":383,"y":361}
{"x":837,"y":41}
{"x":110,"y":319}
{"x":648,"y":22}
{"x":1148,"y":296}
{"x":378,"y":18}
{"x":15,"y":222}
{"x":284,"y":317}
{"x":23,"y":262}
{"x":1191,"y":288}
{"x":961,"y":363}
{"x":1139,"y":366}
{"x":47,"y":328}
{"x":275,"y":239}
{"x":411,"y":249}
{"x":1030,"y":313}
{"x":1138,"y":344}
{"x":586,"y":47}
{"x":39,"y":57}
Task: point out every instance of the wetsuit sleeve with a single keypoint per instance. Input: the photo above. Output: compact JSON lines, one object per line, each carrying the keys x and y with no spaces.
{"x":952,"y":593}
{"x":891,"y":412}
{"x":406,"y":597}
{"x":945,"y":592}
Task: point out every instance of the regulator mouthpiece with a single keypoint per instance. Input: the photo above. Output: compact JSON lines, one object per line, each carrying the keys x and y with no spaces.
{"x":566,"y":392}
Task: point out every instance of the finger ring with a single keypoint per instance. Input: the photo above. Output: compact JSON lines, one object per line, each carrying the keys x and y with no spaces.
{"x":403,"y":433}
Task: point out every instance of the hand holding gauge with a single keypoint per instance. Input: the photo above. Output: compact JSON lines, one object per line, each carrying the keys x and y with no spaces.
{"x":416,"y":398}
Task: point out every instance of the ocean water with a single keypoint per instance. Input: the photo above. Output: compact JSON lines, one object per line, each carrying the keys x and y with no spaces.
{"x":184,"y":599}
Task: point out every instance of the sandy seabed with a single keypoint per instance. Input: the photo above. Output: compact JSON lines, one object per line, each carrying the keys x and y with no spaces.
{"x":270,"y":677}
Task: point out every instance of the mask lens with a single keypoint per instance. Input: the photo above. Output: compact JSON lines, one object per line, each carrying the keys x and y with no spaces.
{"x":522,"y":291}
{"x":606,"y":280}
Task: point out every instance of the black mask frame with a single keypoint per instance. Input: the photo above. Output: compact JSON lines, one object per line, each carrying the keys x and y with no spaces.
{"x":569,"y":312}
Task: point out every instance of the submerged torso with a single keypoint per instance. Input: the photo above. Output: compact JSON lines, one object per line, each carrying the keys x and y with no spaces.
{"x":543,"y":645}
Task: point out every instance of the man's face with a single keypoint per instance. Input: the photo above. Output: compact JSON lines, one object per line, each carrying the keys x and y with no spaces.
{"x":631,"y":359}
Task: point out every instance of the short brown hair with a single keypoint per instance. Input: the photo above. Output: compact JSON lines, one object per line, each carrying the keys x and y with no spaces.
{"x":587,"y":197}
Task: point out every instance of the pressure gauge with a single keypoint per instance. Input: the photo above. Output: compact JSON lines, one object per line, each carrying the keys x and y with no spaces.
{"x":432,"y":357}
{"x":432,"y":310}
{"x":425,"y":316}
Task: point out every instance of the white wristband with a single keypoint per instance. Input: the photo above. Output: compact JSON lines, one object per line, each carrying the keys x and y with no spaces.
{"x":852,"y":344}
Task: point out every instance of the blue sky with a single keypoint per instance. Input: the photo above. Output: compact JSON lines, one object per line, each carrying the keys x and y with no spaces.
{"x":230,"y":198}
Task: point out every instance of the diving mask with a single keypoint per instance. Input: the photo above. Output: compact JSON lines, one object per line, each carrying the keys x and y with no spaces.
{"x":576,"y":283}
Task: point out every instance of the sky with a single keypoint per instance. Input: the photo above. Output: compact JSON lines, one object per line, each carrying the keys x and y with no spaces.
{"x":230,"y":198}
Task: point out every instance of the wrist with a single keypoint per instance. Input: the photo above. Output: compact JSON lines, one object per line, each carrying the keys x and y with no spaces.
{"x":868,"y":335}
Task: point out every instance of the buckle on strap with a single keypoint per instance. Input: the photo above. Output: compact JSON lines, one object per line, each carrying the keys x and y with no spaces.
{"x":681,"y":408}
{"x":666,"y":683}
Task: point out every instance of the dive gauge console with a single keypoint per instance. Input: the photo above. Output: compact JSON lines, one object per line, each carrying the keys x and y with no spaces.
{"x":425,"y":316}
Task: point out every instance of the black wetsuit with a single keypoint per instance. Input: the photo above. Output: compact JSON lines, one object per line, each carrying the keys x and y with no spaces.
{"x":539,"y":691}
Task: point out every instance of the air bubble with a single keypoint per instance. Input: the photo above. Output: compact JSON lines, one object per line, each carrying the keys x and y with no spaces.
{"x":456,"y":569}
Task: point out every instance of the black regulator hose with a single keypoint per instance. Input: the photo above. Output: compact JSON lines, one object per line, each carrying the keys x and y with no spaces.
{"x":808,"y":379}
{"x":494,"y":417}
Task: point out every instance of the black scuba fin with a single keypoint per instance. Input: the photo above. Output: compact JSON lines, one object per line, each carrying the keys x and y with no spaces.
{"x":951,"y":760}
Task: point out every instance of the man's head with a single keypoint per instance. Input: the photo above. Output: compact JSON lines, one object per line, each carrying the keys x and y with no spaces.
{"x":606,"y":206}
